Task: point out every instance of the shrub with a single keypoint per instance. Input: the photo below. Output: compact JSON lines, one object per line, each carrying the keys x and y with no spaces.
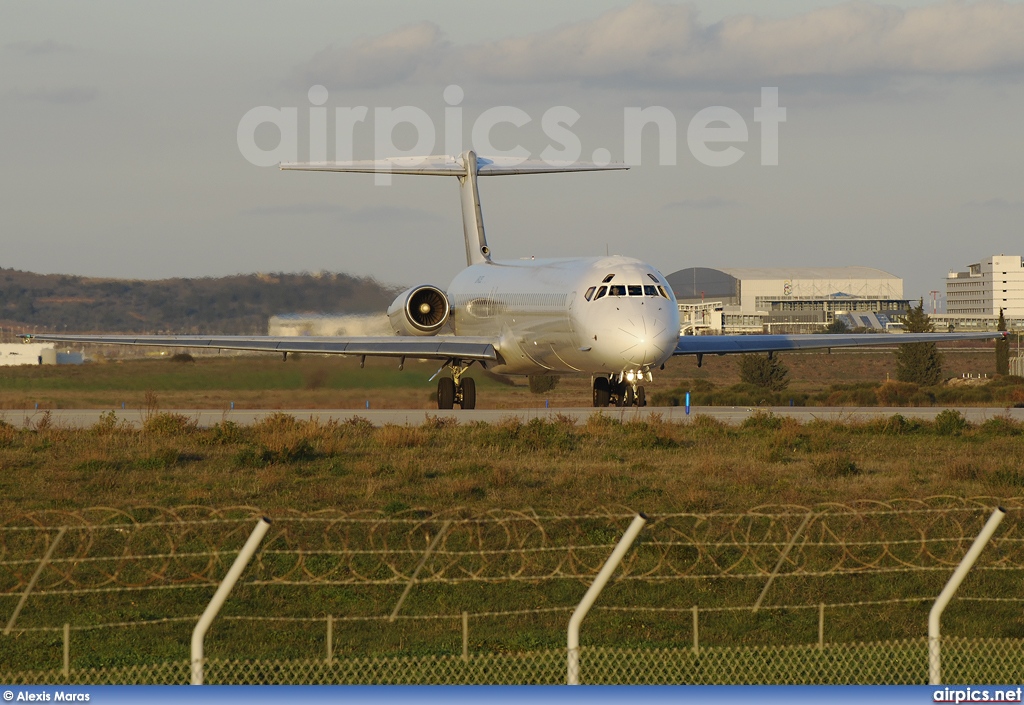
{"x":950,"y":423}
{"x":762,"y":421}
{"x":764,"y":372}
{"x":182,"y":357}
{"x":169,"y":424}
{"x":834,"y":465}
{"x":894,"y":393}
{"x":539,"y":384}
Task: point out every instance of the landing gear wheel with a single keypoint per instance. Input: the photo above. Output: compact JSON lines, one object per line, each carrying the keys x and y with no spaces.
{"x":627,"y":397}
{"x":641,"y":397}
{"x":468,"y":389}
{"x":445,"y":393}
{"x":602,"y":392}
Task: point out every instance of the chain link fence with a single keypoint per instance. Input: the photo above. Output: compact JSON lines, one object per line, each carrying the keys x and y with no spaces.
{"x":881,"y":663}
{"x":702,"y":598}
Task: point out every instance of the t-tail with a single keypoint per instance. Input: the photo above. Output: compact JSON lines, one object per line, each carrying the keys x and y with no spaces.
{"x":466,"y":168}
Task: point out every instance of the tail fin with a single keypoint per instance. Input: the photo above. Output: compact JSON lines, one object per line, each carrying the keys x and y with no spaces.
{"x":466,"y":167}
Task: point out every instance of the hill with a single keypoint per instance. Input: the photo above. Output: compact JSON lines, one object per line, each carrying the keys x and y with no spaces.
{"x":239,"y":304}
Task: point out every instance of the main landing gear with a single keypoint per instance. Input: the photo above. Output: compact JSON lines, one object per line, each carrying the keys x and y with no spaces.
{"x":456,"y":389}
{"x":623,"y":389}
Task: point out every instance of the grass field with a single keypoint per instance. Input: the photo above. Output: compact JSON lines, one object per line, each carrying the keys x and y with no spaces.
{"x":556,"y":467}
{"x":263,"y":381}
{"x":549,"y":467}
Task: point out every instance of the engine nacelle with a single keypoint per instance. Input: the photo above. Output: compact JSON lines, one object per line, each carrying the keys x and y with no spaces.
{"x":421,"y":310}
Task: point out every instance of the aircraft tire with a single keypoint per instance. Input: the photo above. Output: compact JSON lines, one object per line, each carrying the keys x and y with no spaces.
{"x":641,"y":397}
{"x":468,"y":393}
{"x":445,"y":393}
{"x":602,"y":392}
{"x":627,"y":397}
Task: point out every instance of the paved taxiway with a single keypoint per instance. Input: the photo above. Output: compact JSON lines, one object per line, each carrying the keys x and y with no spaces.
{"x":84,"y":418}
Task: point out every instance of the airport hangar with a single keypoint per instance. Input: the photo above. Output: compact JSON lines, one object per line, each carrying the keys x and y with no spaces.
{"x":786,"y":299}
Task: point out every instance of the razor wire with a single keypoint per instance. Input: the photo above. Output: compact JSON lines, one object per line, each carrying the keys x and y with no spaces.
{"x":155,"y":548}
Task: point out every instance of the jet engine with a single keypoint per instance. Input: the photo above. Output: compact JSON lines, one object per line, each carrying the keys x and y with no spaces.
{"x":421,"y":310}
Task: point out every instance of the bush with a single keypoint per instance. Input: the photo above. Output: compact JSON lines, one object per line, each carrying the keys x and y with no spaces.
{"x":950,"y":423}
{"x":539,"y":384}
{"x":182,"y":357}
{"x":169,"y":424}
{"x":764,"y":372}
{"x":834,"y":465}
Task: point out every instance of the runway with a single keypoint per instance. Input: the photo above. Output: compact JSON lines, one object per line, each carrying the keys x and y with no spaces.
{"x":205,"y":418}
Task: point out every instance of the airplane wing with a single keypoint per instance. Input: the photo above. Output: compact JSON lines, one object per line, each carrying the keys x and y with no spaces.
{"x":725,"y":344}
{"x":441,"y":347}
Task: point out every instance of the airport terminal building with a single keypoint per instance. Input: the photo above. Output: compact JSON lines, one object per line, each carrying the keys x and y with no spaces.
{"x":785,"y":299}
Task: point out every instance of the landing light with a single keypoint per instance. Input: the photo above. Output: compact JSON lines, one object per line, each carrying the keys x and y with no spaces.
{"x":630,"y":375}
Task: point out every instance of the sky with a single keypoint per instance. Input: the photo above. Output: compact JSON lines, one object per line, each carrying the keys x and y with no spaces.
{"x":902,"y":146}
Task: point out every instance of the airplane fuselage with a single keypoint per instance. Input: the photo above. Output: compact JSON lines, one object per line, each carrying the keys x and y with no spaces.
{"x":600,"y":315}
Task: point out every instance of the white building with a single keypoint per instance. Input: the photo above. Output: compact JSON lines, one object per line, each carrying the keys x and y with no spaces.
{"x":987,"y":286}
{"x":27,"y":354}
{"x":322,"y":324}
{"x":781,"y":299}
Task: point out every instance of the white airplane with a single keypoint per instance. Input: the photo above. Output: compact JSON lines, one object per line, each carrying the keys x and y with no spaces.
{"x":613,"y":318}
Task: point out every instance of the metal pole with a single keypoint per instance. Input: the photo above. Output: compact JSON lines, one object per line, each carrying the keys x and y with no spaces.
{"x":465,"y":637}
{"x":782,"y":559}
{"x":935,"y":616}
{"x":330,"y":639}
{"x":821,"y":625}
{"x":32,"y":582}
{"x":203,"y":625}
{"x":696,"y":632}
{"x":419,"y":567}
{"x":67,"y":650}
{"x":573,"y":673}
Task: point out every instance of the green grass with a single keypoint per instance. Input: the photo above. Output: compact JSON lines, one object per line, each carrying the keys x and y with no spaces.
{"x":553,"y":467}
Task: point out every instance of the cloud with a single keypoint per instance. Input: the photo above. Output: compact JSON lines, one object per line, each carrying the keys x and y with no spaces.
{"x":70,"y":95}
{"x":1000,"y":204}
{"x":367,"y":214}
{"x":39,"y":48}
{"x":705,"y":203}
{"x":651,"y":43}
{"x":406,"y":54}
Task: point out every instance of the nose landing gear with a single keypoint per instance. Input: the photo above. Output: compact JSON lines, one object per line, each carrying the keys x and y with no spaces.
{"x":456,"y":389}
{"x":624,"y":389}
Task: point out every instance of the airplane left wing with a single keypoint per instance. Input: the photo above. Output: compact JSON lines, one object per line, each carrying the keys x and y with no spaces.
{"x":441,"y":347}
{"x":725,"y":344}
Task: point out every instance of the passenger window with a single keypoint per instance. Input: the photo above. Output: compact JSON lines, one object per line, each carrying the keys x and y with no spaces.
{"x":608,"y":279}
{"x":617,"y":290}
{"x":590,"y":292}
{"x":601,"y":292}
{"x":636,"y":290}
{"x":650,"y":290}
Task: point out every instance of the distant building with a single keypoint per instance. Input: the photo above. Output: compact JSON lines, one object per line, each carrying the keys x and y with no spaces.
{"x":987,"y":286}
{"x":27,"y":354}
{"x":782,"y":299}
{"x":322,"y":324}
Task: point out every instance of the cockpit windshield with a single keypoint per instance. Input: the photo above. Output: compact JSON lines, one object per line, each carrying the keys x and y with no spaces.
{"x":598,"y":291}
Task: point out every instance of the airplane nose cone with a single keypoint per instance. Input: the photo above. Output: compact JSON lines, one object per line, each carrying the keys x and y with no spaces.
{"x":646,"y":337}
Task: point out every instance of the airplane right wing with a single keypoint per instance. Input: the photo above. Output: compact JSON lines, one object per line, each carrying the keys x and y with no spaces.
{"x":726,"y":344}
{"x":439,"y":347}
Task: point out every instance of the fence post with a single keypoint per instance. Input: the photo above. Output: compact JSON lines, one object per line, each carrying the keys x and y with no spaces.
{"x":33,"y":580}
{"x":935,"y":616}
{"x":67,"y":651}
{"x":696,"y":632}
{"x":203,"y":625}
{"x":821,"y":625}
{"x":419,"y":566}
{"x":573,"y":666}
{"x":465,"y":637}
{"x":330,"y":639}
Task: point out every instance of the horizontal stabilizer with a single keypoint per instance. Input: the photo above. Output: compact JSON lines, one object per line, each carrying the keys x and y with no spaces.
{"x":450,"y":166}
